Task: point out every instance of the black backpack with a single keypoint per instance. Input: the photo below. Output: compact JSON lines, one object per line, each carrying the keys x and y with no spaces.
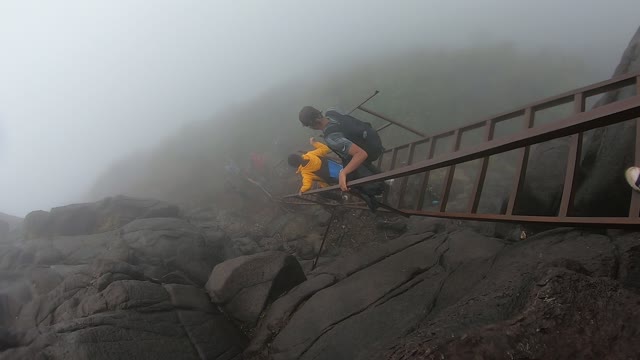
{"x":359,"y":132}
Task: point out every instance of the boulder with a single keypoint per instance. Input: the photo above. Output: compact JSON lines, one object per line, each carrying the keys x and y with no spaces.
{"x":271,"y":244}
{"x":245,"y":246}
{"x":601,"y":189}
{"x":608,"y":151}
{"x":295,"y":229}
{"x":555,"y":322}
{"x":4,"y":231}
{"x":13,"y":221}
{"x":90,"y":218}
{"x":244,"y":286}
{"x":499,"y":294}
{"x":90,"y":277}
{"x":171,"y":245}
{"x":35,"y":224}
{"x":544,"y":181}
{"x":332,"y":322}
{"x":628,"y":246}
{"x":415,"y":294}
{"x":278,"y":223}
{"x":398,"y":225}
{"x":322,"y":217}
{"x":309,"y":247}
{"x":77,"y":321}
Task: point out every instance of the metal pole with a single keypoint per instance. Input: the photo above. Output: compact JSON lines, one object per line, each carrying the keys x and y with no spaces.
{"x":384,"y":127}
{"x":383,"y":117}
{"x":364,"y":102}
{"x":324,"y":238}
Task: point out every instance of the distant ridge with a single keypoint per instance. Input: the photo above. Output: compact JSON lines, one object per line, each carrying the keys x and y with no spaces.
{"x":13,"y":221}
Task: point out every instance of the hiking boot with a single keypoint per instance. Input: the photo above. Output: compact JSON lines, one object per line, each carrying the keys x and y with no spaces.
{"x":371,"y":202}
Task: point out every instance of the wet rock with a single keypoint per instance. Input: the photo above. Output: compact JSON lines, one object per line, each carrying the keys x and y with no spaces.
{"x":498,"y":290}
{"x":443,"y":285}
{"x":295,"y":229}
{"x":77,"y":320}
{"x":7,"y":339}
{"x":601,"y":189}
{"x":422,"y":225}
{"x":35,"y":224}
{"x":322,"y":217}
{"x":608,"y":151}
{"x":278,"y":223}
{"x":271,"y":244}
{"x":396,"y":225}
{"x":173,"y":244}
{"x":319,"y":327}
{"x":245,"y":246}
{"x":278,"y":314}
{"x":4,"y":231}
{"x":244,"y":286}
{"x":309,"y":247}
{"x":91,"y":218}
{"x":628,"y":249}
{"x":544,"y":181}
{"x":555,"y":322}
{"x":347,"y":265}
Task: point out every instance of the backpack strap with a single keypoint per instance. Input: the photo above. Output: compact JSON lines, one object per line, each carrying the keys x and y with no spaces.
{"x":357,"y":131}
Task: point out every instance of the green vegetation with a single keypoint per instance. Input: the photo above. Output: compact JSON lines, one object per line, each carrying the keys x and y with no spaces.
{"x":431,"y":90}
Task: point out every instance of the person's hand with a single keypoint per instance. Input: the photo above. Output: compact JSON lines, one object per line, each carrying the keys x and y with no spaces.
{"x":312,"y":140}
{"x":299,"y":193}
{"x":342,"y":180}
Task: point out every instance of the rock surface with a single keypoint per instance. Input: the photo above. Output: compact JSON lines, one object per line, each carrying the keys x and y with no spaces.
{"x":455,"y":292}
{"x":5,"y":228}
{"x":161,"y":288}
{"x":244,"y":286}
{"x":609,"y":151}
{"x":135,"y":291}
{"x":90,"y":218}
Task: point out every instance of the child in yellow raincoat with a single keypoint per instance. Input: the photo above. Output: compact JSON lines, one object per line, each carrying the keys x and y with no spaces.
{"x":314,"y":166}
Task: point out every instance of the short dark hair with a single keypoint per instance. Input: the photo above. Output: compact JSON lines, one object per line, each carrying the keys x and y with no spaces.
{"x":295,"y":160}
{"x":308,"y":115}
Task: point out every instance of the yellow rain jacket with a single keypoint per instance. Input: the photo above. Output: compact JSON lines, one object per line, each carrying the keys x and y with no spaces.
{"x":308,"y":171}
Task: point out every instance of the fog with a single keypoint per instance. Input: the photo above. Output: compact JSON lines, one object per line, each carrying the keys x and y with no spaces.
{"x":84,"y":83}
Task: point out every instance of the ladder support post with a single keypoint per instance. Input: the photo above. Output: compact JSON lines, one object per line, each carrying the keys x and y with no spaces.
{"x":405,"y":180}
{"x":450,"y":172}
{"x":425,"y":178}
{"x":521,"y":171}
{"x":476,"y":193}
{"x":573,"y":158}
{"x":634,"y":206}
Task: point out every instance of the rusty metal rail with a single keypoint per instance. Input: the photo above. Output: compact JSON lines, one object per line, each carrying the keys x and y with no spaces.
{"x":412,"y":164}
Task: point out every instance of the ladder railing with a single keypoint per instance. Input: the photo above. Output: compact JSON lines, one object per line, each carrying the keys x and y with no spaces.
{"x":418,"y":158}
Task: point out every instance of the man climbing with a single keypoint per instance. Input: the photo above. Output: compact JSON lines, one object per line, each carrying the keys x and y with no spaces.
{"x":314,"y":166}
{"x":355,"y":142}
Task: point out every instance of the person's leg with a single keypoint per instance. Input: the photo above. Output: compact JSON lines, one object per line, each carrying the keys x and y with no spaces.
{"x":332,"y":195}
{"x":633,"y":177}
{"x":368,"y":169}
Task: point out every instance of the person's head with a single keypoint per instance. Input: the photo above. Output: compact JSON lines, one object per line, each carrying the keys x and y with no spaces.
{"x":295,"y":160}
{"x":311,"y":117}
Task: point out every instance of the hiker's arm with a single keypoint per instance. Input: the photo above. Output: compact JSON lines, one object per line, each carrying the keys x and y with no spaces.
{"x":321,"y":149}
{"x":358,"y":156}
{"x":307,"y":182}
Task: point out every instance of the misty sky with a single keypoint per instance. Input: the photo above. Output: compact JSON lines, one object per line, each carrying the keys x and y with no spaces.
{"x":83,"y":83}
